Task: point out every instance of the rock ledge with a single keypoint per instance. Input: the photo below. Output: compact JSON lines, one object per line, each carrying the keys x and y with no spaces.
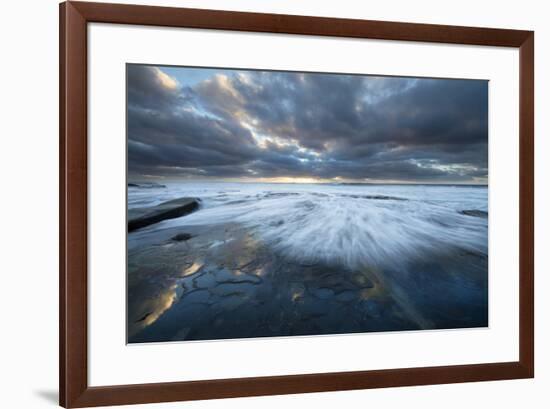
{"x":139,"y":218}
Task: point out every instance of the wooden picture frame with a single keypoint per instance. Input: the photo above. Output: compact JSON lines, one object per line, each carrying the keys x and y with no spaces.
{"x":73,"y":229}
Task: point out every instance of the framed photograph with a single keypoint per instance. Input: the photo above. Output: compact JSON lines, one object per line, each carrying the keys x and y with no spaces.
{"x":256,"y":204}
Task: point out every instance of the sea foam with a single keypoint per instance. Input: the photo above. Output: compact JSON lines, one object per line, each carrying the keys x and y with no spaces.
{"x":375,"y":225}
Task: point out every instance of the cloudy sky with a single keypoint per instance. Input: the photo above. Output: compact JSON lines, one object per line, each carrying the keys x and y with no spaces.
{"x":242,"y":125}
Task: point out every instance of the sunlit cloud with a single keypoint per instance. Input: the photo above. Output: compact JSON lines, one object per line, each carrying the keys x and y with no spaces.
{"x":166,"y":80}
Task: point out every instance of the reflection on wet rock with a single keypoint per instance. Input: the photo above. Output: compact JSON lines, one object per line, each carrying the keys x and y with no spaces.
{"x":192,"y":269}
{"x":244,"y":287}
{"x":156,"y":306}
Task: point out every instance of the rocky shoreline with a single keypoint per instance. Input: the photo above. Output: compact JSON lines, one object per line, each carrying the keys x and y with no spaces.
{"x":224,"y":281}
{"x":143,"y":217}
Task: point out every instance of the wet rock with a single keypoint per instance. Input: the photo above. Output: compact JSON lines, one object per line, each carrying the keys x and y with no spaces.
{"x":280,"y":194}
{"x":376,"y":197}
{"x":362,"y":281}
{"x":196,"y":296}
{"x":243,"y":288}
{"x":233,"y":300}
{"x":323,"y":293}
{"x":139,"y":218}
{"x":181,"y":334}
{"x":205,"y":280}
{"x":475,"y":213}
{"x":372,"y":309}
{"x":232,"y":289}
{"x":337,"y":283}
{"x":146,"y":185}
{"x":241,"y":279}
{"x":246,"y":264}
{"x":346,"y":296}
{"x":382,"y":197}
{"x":182,"y":237}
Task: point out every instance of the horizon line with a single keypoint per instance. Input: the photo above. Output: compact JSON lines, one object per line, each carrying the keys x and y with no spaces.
{"x":162,"y":181}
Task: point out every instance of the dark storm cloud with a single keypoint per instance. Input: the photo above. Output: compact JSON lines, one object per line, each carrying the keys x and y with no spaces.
{"x":272,"y":124}
{"x":146,"y":88}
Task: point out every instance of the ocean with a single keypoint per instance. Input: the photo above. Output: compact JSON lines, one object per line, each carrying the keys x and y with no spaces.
{"x":353,"y":224}
{"x":422,"y":248}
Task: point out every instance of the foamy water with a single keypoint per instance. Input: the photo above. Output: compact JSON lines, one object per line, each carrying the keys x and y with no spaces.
{"x":377,"y":225}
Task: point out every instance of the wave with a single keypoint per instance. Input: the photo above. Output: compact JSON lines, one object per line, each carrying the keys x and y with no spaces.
{"x":377,"y":226}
